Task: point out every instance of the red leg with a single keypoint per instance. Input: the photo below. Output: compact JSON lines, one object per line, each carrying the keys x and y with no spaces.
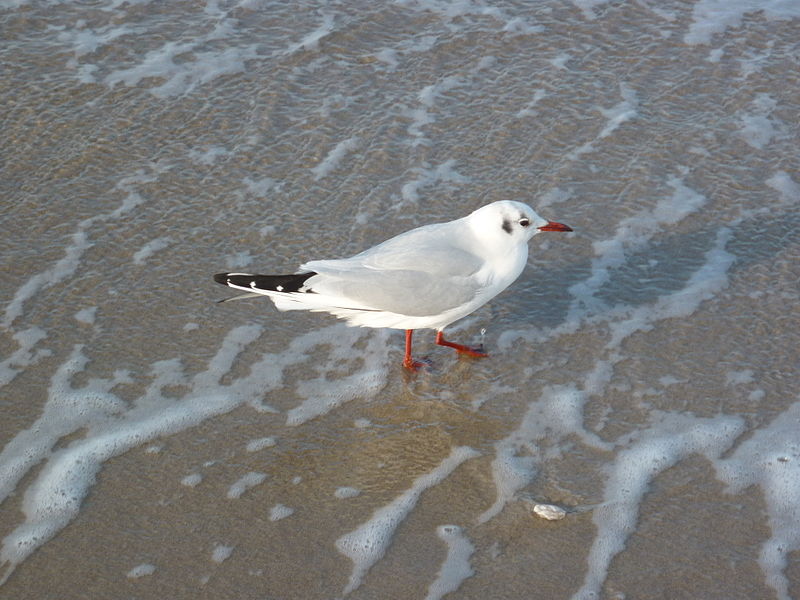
{"x":477,"y":352}
{"x":408,"y":362}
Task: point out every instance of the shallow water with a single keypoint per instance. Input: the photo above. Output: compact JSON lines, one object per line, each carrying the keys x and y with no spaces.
{"x":643,"y":371}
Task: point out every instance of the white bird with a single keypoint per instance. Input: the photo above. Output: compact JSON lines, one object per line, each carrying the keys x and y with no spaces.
{"x":425,"y":278}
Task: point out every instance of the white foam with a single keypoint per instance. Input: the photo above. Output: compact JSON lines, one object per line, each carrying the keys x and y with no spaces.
{"x":150,"y":248}
{"x":632,"y":234}
{"x":454,"y":14}
{"x":758,"y":127}
{"x":770,"y":459}
{"x":739,"y":377}
{"x":557,"y":414}
{"x":428,"y":95}
{"x":787,"y":187}
{"x":220,"y":364}
{"x":520,"y":26}
{"x":185,"y":75}
{"x":79,"y":243}
{"x":753,"y":62}
{"x":244,"y":483}
{"x":221,"y":553}
{"x":367,"y":544}
{"x":510,"y":473}
{"x":527,"y":111}
{"x":671,"y":438}
{"x":279,"y":511}
{"x":419,"y":44}
{"x":311,"y":40}
{"x":85,"y":72}
{"x":389,"y":57}
{"x":208,"y":156}
{"x":620,"y":113}
{"x":141,"y":570}
{"x":346,"y":492}
{"x":455,"y":568}
{"x":260,"y":444}
{"x":485,"y":62}
{"x":420,"y":117}
{"x":553,"y":196}
{"x":587,"y":7}
{"x":704,"y":284}
{"x":64,"y":411}
{"x":110,"y":426}
{"x":63,"y":268}
{"x":192,"y":480}
{"x":53,"y":498}
{"x":616,"y":116}
{"x":667,"y":15}
{"x":324,"y":393}
{"x":338,"y":340}
{"x":334,"y":158}
{"x":560,"y":60}
{"x":24,"y":356}
{"x":86,"y":40}
{"x":333,"y":104}
{"x":86,"y":315}
{"x":710,"y":17}
{"x":261,"y":188}
{"x":267,"y":230}
{"x":429,"y":176}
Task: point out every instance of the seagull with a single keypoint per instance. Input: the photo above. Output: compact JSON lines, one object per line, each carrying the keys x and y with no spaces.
{"x":425,"y":278}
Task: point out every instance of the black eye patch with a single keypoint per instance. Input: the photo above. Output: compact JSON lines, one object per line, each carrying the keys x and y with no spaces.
{"x":507,"y":226}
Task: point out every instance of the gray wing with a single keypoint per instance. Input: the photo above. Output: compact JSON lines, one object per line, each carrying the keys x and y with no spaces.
{"x":423,"y":272}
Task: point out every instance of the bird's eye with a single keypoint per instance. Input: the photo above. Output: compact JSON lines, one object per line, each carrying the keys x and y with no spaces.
{"x":524,"y":222}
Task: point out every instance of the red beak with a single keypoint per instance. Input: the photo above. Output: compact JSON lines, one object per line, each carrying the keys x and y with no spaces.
{"x":553,"y":226}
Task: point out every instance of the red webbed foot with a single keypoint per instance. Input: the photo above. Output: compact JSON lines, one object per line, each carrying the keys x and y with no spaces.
{"x":474,"y":351}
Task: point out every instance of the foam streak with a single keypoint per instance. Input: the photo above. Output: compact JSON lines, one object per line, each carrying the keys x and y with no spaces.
{"x":367,"y":544}
{"x":671,"y":439}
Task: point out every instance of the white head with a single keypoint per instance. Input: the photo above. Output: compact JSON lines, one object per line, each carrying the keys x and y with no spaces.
{"x":509,"y":223}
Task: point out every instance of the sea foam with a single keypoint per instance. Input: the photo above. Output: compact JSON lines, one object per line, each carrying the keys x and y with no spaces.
{"x":54,"y":496}
{"x":671,"y":438}
{"x":367,"y":544}
{"x":710,"y":17}
{"x":455,"y":568}
{"x":770,"y":458}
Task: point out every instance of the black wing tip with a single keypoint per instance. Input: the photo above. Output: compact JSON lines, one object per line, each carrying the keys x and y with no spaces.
{"x":274,"y":283}
{"x":228,"y":278}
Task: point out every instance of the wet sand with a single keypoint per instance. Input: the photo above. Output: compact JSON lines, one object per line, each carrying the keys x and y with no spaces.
{"x":643,"y":371}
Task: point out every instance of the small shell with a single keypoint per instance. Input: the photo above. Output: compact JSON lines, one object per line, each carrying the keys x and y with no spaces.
{"x":550,"y":512}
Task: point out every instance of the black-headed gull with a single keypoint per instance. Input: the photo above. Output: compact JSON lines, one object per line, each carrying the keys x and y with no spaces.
{"x":425,"y":278}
